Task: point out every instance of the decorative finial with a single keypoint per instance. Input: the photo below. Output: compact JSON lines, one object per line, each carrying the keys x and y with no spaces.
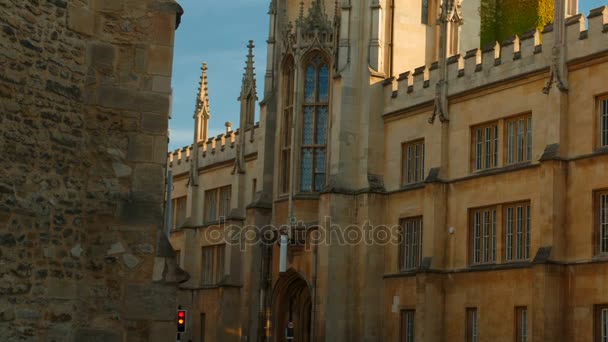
{"x":248,"y":86}
{"x":202,"y":100}
{"x":301,"y":10}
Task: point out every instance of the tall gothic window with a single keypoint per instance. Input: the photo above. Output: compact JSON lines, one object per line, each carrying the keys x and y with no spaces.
{"x":314,"y":124}
{"x":286,"y":127}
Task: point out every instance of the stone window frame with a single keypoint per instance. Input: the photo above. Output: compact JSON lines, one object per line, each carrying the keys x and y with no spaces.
{"x":510,"y":211}
{"x":481,"y":158}
{"x":410,"y":254}
{"x":178,"y":206}
{"x":425,"y":9}
{"x":601,"y":121}
{"x":407,"y":325}
{"x":498,"y":247}
{"x":212,"y":264}
{"x":478,"y":239}
{"x":522,"y":324}
{"x":323,"y":60}
{"x":471,"y":324}
{"x":214,"y":207}
{"x":513,"y":147}
{"x":600,"y":222}
{"x":407,"y":170}
{"x":600,"y":322}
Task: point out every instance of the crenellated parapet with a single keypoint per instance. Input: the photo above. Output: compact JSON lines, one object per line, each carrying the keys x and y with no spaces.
{"x":215,"y":150}
{"x":529,"y":53}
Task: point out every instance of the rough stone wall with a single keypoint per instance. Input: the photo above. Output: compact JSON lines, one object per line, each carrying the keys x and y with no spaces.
{"x":84,"y":101}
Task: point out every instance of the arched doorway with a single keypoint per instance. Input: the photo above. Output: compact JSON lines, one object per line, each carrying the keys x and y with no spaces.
{"x":291,"y":303}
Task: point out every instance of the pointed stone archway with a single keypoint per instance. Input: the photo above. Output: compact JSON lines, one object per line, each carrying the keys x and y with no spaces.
{"x":291,"y":303}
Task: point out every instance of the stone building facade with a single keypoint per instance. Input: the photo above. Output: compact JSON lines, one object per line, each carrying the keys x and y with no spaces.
{"x":429,"y":189}
{"x":84,"y":104}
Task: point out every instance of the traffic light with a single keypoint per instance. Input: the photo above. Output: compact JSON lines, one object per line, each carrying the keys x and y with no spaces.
{"x":181,"y":321}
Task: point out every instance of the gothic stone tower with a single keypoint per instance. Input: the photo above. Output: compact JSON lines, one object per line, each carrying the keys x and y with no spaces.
{"x":323,"y":145}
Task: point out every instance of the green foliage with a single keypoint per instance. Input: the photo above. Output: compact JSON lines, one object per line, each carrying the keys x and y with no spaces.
{"x":501,"y":19}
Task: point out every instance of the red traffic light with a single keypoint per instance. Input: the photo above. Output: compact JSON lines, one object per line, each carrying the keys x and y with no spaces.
{"x":181,"y":321}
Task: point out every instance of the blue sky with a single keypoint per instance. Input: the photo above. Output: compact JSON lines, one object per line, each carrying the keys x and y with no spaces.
{"x":217,"y":32}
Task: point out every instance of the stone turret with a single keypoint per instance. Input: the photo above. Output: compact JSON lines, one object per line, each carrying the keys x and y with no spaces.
{"x":202,"y":110}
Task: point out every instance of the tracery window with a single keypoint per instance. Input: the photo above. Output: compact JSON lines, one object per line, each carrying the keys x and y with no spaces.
{"x":314,"y":124}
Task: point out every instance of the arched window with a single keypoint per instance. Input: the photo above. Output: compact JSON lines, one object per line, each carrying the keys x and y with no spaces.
{"x":314,"y":124}
{"x":286,"y":125}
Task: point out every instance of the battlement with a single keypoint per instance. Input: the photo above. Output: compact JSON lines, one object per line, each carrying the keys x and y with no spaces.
{"x":497,"y":62}
{"x":213,"y":151}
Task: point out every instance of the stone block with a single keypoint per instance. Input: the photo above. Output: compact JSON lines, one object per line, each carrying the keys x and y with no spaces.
{"x":96,"y":335}
{"x":58,"y":333}
{"x":148,"y":180}
{"x":163,"y":27}
{"x":109,"y":5}
{"x":141,"y":212}
{"x":153,"y":302}
{"x":141,"y":148}
{"x":101,"y":55}
{"x":121,"y":170}
{"x":161,"y":84}
{"x":162,"y":331}
{"x":61,"y":289}
{"x":153,"y":103}
{"x":113,"y":97}
{"x":160,"y":148}
{"x":154,"y":123}
{"x":81,"y":19}
{"x":160,"y":60}
{"x":116,"y":248}
{"x":130,"y":260}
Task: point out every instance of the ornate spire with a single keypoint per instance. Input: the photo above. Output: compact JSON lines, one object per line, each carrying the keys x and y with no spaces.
{"x":202,"y":100}
{"x":202,"y":111}
{"x":249,"y":86}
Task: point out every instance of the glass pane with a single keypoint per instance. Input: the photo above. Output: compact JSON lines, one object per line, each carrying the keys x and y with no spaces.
{"x":494,"y":235}
{"x":519,"y":231}
{"x":529,"y":140}
{"x":488,"y":148}
{"x":320,"y":160}
{"x":495,"y":155}
{"x":509,"y":233}
{"x":319,"y":169}
{"x":478,"y":149}
{"x":605,"y":123}
{"x":321,"y":125}
{"x":307,"y":134}
{"x":476,"y":237}
{"x":510,"y":142}
{"x":520,"y":140}
{"x":323,"y":83}
{"x":306,"y":179}
{"x":527,"y":232}
{"x":309,"y":85}
{"x":486,"y":235}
